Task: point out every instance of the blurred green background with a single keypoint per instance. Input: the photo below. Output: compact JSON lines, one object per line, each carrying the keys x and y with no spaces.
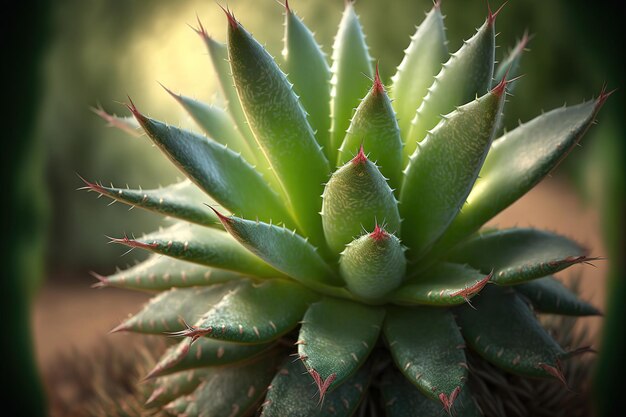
{"x":98,"y":52}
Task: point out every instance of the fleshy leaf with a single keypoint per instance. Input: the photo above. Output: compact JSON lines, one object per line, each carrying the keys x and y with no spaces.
{"x":220,"y":172}
{"x":443,"y":284}
{"x":217,"y":124}
{"x":403,"y":399}
{"x":182,"y":200}
{"x":233,"y":391}
{"x":284,"y":249}
{"x":443,"y":170}
{"x":168,"y":388}
{"x":427,"y":347}
{"x":336,"y":338}
{"x":357,"y":198}
{"x":518,"y":161}
{"x":421,"y":62}
{"x":548,"y":295}
{"x":280,"y":128}
{"x":204,"y":352}
{"x":351,"y":68}
{"x":291,"y":391}
{"x":375,"y":128}
{"x":518,"y":255}
{"x":466,"y":75}
{"x":162,"y":273}
{"x":503,"y":330}
{"x":308,"y":70}
{"x":509,"y":67}
{"x":373,"y":265}
{"x":256,"y":313}
{"x":170,"y":310}
{"x":203,"y":246}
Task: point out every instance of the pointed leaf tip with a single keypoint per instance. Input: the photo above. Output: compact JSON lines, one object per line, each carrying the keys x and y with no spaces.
{"x":133,"y":109}
{"x":223,"y":219}
{"x":555,"y":371}
{"x":322,"y":384}
{"x":604,"y":95}
{"x":378,"y":85}
{"x":360,"y":157}
{"x":200,"y":29}
{"x":468,"y":292}
{"x":437,"y":4}
{"x":231,"y":17}
{"x":448,"y":400}
{"x":287,"y":9}
{"x":132,"y":243}
{"x":379,"y":233}
{"x":500,"y":88}
{"x":491,"y":17}
{"x":102,"y":280}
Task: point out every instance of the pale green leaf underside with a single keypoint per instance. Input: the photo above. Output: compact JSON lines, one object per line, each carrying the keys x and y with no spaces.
{"x":548,"y":295}
{"x":170,"y":387}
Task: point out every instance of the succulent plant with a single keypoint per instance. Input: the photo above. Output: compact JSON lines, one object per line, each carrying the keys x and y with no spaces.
{"x":340,"y":257}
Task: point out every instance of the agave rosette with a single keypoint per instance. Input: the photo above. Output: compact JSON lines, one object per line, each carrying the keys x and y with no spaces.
{"x":338,"y":224}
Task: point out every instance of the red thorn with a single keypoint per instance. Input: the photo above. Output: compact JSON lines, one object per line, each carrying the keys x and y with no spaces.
{"x":200,"y":30}
{"x":155,"y":394}
{"x":231,"y":17}
{"x":287,"y":6}
{"x":102,"y":280}
{"x":603,"y":96}
{"x":120,"y":328}
{"x":554,"y":371}
{"x":499,"y":89}
{"x":468,"y":292}
{"x":133,"y":109}
{"x":133,"y":243}
{"x":92,"y":186}
{"x":378,"y":85}
{"x":579,"y":351}
{"x":360,"y":157}
{"x":223,"y":219}
{"x":379,"y":233}
{"x":448,"y":401}
{"x":322,"y":384}
{"x":491,"y":17}
{"x":193,"y":332}
{"x":437,"y":4}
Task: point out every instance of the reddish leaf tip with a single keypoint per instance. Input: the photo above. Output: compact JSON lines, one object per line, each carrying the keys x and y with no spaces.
{"x":91,"y":186}
{"x":604,"y":95}
{"x":155,"y":394}
{"x":360,"y":157}
{"x":223,"y":219}
{"x":474,"y":289}
{"x":200,"y":29}
{"x":231,"y":18}
{"x":437,"y":4}
{"x":119,"y":328}
{"x":378,"y":85}
{"x":379,"y":233}
{"x":287,"y":6}
{"x":491,"y":16}
{"x":499,"y":89}
{"x":448,"y":401}
{"x":133,"y":109}
{"x":102,"y":280}
{"x":133,"y":243}
{"x":554,"y":371}
{"x":322,"y":384}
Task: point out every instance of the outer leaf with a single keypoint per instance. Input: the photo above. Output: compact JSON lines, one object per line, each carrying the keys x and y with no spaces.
{"x":307,"y":68}
{"x":374,"y":127}
{"x":504,"y":331}
{"x":233,"y":391}
{"x":443,"y":170}
{"x":162,"y":273}
{"x":356,"y":198}
{"x":509,"y":67}
{"x":280,"y":128}
{"x":466,"y":75}
{"x":220,"y":172}
{"x":444,"y":284}
{"x":203,"y":246}
{"x":421,"y":62}
{"x":351,"y":67}
{"x":168,"y":388}
{"x":204,"y":352}
{"x":518,"y":255}
{"x":257,"y":313}
{"x":183,"y":201}
{"x":548,"y":295}
{"x":373,"y":265}
{"x":290,"y":392}
{"x":170,"y":310}
{"x":427,"y":347}
{"x":285,"y":250}
{"x":336,"y":338}
{"x":518,"y":161}
{"x":218,"y":125}
{"x":403,"y":399}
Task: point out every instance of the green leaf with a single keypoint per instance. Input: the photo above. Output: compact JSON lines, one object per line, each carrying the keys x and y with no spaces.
{"x":466,"y":75}
{"x":233,"y":391}
{"x":510,"y":65}
{"x":292,"y":394}
{"x":351,"y":68}
{"x":373,"y":265}
{"x":518,"y":255}
{"x":336,"y":338}
{"x":503,"y":330}
{"x":356,"y":198}
{"x":280,"y":127}
{"x":256,"y":313}
{"x":285,"y":250}
{"x":427,"y":347}
{"x":421,"y":62}
{"x":518,"y":161}
{"x":220,"y":172}
{"x":548,"y":295}
{"x":204,"y":352}
{"x":307,"y":68}
{"x":218,"y":125}
{"x":443,"y":284}
{"x":203,"y":246}
{"x":168,"y":388}
{"x":162,"y":273}
{"x":182,"y":200}
{"x":375,"y":128}
{"x":170,"y":310}
{"x":403,"y":399}
{"x":443,"y":170}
